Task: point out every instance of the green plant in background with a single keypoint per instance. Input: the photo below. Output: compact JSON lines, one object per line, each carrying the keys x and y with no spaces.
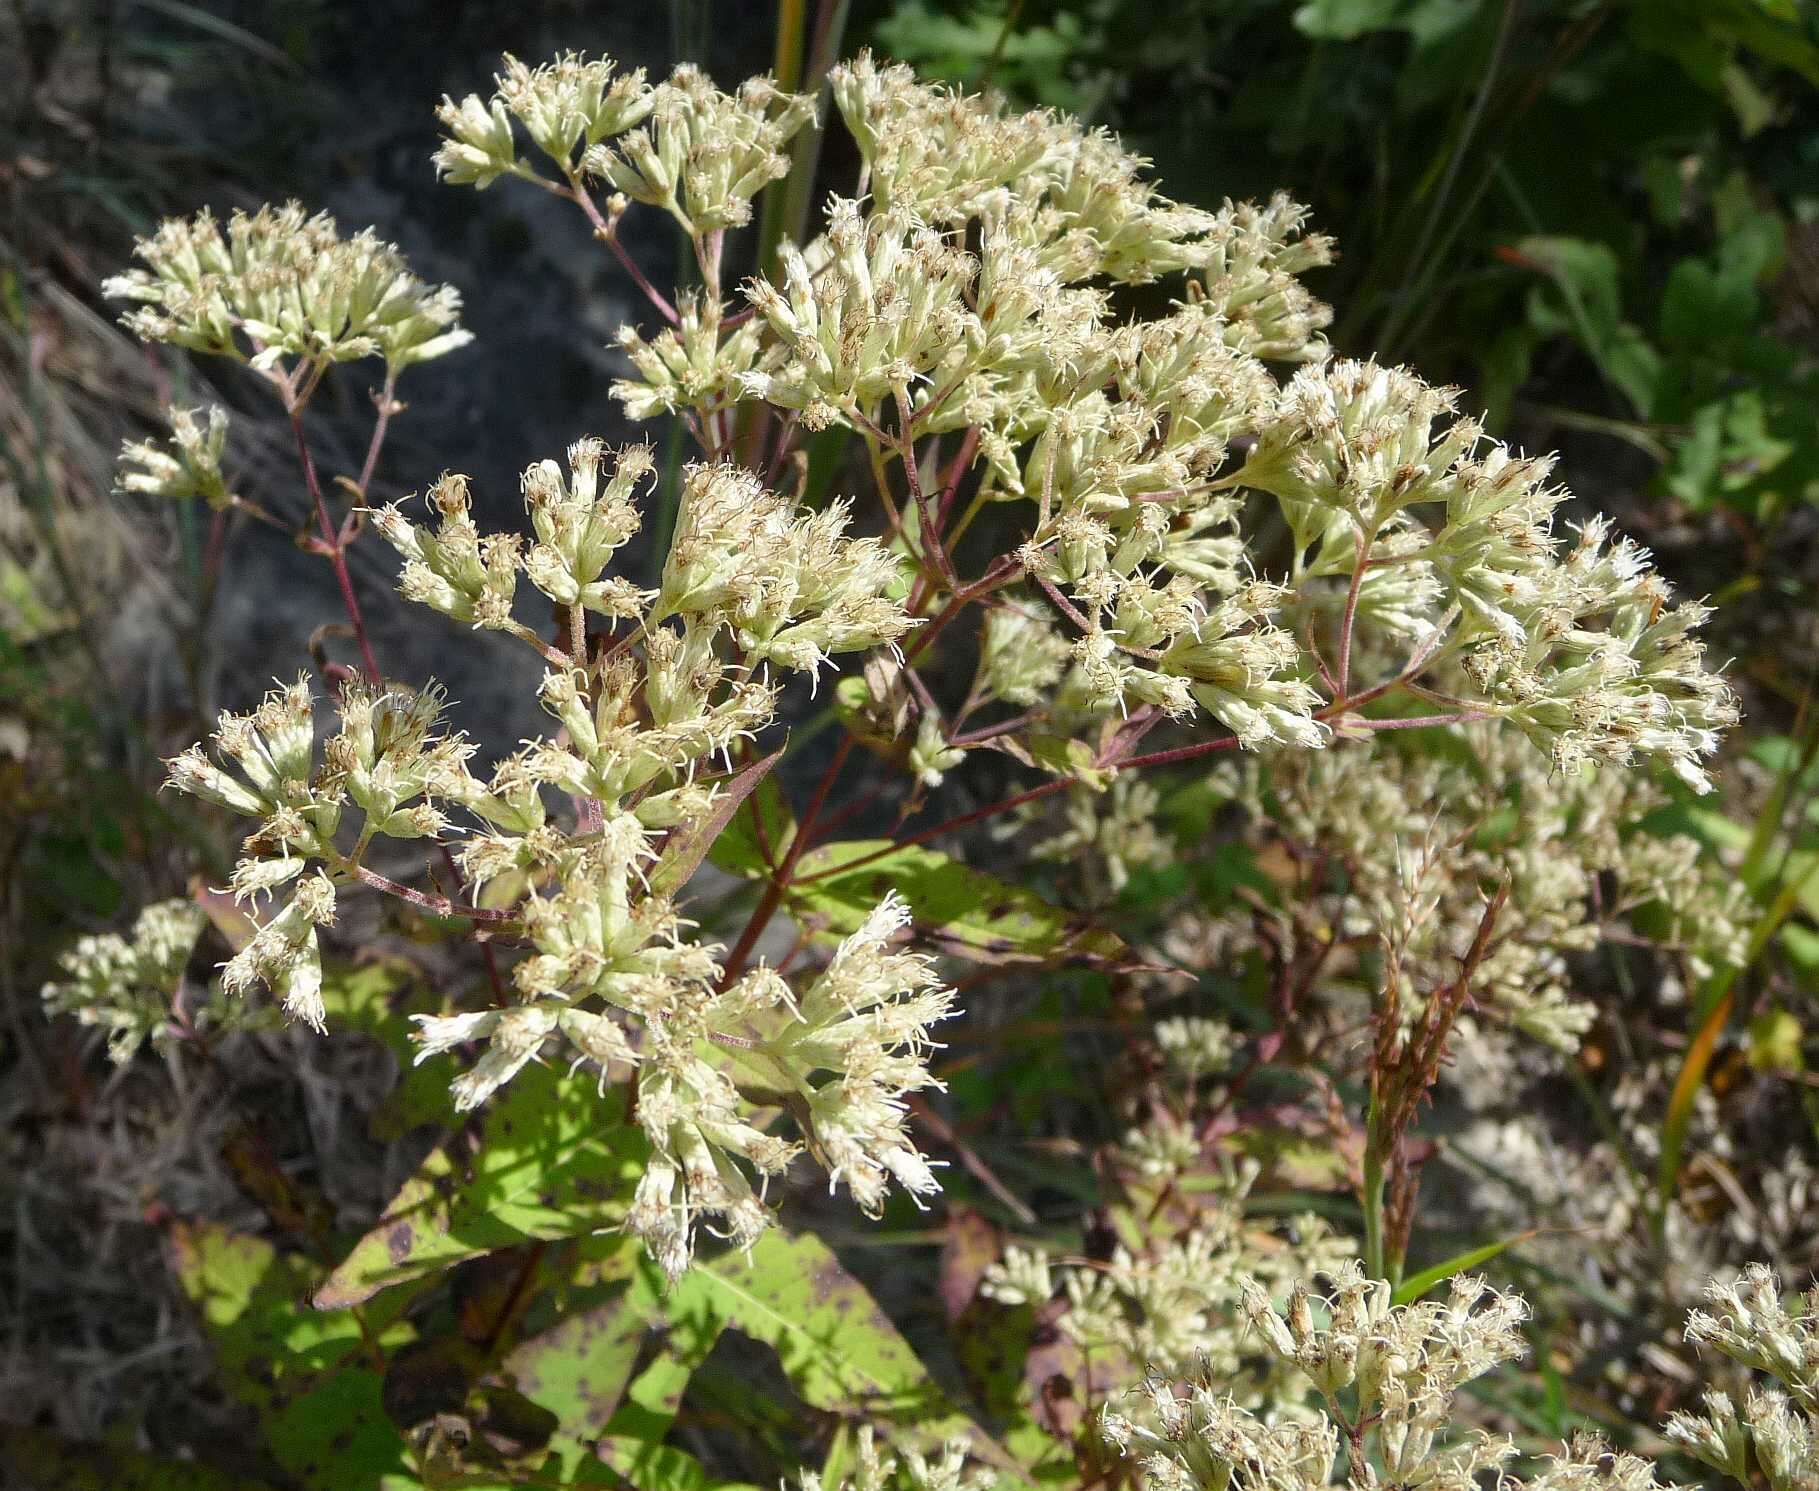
{"x":1127,"y":512}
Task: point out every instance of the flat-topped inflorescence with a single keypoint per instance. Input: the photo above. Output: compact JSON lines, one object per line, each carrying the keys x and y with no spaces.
{"x":278,"y":286}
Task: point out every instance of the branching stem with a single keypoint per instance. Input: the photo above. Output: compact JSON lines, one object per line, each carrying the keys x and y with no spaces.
{"x":334,"y":548}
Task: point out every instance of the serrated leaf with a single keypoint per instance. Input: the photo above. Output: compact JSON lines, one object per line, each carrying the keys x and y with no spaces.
{"x":969,"y":913}
{"x":554,"y":1159}
{"x":306,"y":1375}
{"x":34,"y":1457}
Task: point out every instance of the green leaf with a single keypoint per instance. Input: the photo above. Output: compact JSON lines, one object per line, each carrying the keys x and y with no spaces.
{"x":554,"y":1159}
{"x":688,"y":1323}
{"x":838,"y":1348}
{"x":655,"y":1395}
{"x":378,"y":1000}
{"x":1776,"y":1043}
{"x":738,"y":850}
{"x":1780,"y":754}
{"x":305,"y":1374}
{"x":1695,"y":475}
{"x":1752,"y":242}
{"x":661,"y":1467}
{"x":580,"y":1368}
{"x":1427,"y":21}
{"x":1589,"y":309}
{"x":1700,"y":306}
{"x":1754,"y":108}
{"x":969,"y":913}
{"x":1586,"y":275}
{"x":368,"y":999}
{"x":1802,"y":947}
{"x":1416,"y":1285}
{"x":835,"y":1344}
{"x":34,"y":1457}
{"x":689,"y":845}
{"x":1345,"y":20}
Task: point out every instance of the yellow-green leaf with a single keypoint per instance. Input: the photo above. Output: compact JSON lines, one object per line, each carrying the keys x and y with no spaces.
{"x":555,"y":1159}
{"x":967,"y":912}
{"x":306,"y":1375}
{"x":1416,"y":1285}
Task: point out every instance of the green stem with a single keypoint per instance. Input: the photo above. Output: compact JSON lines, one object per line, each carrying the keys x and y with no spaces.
{"x":786,"y":67}
{"x":1370,"y":1198}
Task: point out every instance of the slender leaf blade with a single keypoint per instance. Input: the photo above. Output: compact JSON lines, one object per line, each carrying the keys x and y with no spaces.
{"x":1418,"y":1284}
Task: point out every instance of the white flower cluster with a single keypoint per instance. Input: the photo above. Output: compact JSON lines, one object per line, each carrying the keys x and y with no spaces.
{"x":385,"y":762}
{"x":752,"y":582}
{"x":682,"y":145}
{"x":969,"y":284}
{"x":1580,"y":648}
{"x":1403,"y":1364}
{"x":126,"y":985}
{"x":1203,"y":1442}
{"x":1425,"y":836}
{"x":279,"y":285}
{"x":1113,"y":833}
{"x":566,"y":105}
{"x":692,"y":365}
{"x":1168,"y":1296}
{"x":1175,"y":1300}
{"x":1195,"y":1046}
{"x":1388,"y":1377}
{"x":789,"y":585}
{"x":969,"y":292}
{"x":705,"y":154}
{"x":883,"y":311}
{"x":1775,"y":1431}
{"x":874,"y":1470}
{"x":845,"y":1052}
{"x":191,"y":467}
{"x":1386,"y":1374}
